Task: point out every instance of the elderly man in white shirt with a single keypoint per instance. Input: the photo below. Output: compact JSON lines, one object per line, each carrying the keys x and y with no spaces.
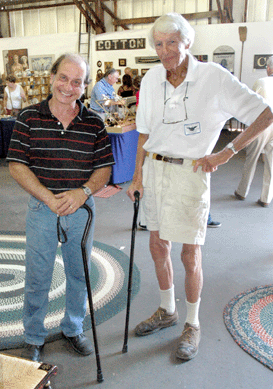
{"x":183,"y":106}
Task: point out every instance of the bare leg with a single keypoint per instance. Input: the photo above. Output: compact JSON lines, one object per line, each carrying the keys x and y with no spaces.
{"x":161,"y":254}
{"x":191,"y":257}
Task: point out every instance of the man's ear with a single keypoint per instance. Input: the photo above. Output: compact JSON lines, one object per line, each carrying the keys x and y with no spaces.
{"x":51,"y":78}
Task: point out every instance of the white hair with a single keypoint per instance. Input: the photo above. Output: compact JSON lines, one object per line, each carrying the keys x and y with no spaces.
{"x":269,"y":62}
{"x":171,"y":23}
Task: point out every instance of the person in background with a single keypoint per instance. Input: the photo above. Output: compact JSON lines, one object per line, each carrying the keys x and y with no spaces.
{"x":14,"y":95}
{"x":126,"y":89}
{"x":136,"y":84}
{"x":61,"y":155}
{"x":262,"y":144}
{"x":212,"y":223}
{"x":128,"y":70}
{"x":183,"y":107}
{"x":104,"y":88}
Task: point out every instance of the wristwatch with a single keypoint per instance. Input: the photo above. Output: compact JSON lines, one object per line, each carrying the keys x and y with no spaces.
{"x":87,"y":191}
{"x":231,"y":147}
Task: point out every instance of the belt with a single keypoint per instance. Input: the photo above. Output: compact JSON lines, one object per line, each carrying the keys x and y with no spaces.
{"x":158,"y":157}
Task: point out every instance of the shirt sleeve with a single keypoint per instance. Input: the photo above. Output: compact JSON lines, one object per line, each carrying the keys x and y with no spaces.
{"x":240,"y":101}
{"x":143,"y":106}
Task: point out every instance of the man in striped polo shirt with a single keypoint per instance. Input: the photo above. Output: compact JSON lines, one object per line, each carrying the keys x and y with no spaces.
{"x":61,"y":155}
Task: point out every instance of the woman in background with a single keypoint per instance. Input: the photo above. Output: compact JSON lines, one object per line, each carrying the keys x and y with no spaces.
{"x":126,"y":89}
{"x":13,"y":96}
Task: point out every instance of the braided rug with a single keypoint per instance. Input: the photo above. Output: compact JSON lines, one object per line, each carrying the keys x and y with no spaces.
{"x":109,"y":284}
{"x":249,"y":319}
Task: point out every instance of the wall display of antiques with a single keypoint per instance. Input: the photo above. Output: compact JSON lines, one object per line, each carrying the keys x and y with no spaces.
{"x":36,"y":88}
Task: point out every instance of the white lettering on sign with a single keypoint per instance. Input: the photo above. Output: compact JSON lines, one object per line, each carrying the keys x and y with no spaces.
{"x":121,"y":44}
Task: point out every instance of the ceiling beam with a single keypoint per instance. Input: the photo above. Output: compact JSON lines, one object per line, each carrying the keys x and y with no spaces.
{"x":34,"y":7}
{"x":113,"y":16}
{"x":151,"y":19}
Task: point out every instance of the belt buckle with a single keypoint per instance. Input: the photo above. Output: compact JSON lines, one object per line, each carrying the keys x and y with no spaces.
{"x":159,"y":157}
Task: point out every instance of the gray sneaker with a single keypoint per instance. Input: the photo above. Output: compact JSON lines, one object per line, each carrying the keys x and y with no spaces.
{"x":160,"y":319}
{"x":189,"y":342}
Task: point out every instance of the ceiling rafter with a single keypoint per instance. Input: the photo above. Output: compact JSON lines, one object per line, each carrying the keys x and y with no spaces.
{"x":151,"y":19}
{"x":29,"y":8}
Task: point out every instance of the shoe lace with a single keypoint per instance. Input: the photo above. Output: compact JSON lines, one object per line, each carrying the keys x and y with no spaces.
{"x":188,"y":335}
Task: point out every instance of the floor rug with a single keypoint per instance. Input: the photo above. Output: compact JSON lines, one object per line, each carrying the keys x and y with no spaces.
{"x":109,"y":283}
{"x":249,"y":319}
{"x":108,"y":191}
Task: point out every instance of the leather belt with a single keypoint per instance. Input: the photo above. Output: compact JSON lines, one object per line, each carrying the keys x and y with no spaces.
{"x":158,"y":157}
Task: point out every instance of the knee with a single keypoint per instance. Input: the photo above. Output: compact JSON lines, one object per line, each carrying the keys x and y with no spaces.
{"x":159,"y":247}
{"x":191,"y":258}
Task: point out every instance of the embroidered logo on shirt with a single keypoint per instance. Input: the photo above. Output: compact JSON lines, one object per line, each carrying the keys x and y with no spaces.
{"x":192,"y":128}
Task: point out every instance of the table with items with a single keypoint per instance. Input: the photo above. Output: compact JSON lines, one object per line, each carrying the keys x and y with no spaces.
{"x":124,"y":145}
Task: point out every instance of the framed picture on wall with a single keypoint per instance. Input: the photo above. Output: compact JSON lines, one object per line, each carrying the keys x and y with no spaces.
{"x":41,"y":63}
{"x":144,"y":71}
{"x":15,"y":62}
{"x":122,"y":62}
{"x":107,"y":65}
{"x":224,"y":56}
{"x":134,"y":72}
{"x":99,"y":75}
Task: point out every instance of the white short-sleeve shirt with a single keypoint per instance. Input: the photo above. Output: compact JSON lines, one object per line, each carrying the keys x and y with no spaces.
{"x":264,"y":86}
{"x":212,"y":96}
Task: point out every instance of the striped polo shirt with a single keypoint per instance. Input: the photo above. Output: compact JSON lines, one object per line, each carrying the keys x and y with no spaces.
{"x":61,"y":159}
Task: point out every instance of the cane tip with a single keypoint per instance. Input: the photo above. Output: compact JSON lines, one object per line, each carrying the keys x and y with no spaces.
{"x":100,"y":377}
{"x":125,"y":349}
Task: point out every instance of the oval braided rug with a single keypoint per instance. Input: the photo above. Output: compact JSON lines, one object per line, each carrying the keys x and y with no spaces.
{"x":249,"y":319}
{"x":109,"y":284}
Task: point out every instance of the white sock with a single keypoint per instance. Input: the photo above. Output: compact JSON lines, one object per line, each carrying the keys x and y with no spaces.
{"x":193,"y":312}
{"x":168,"y":300}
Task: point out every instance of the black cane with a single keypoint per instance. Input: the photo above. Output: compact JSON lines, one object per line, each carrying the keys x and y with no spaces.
{"x":134,"y":226}
{"x":88,"y":285}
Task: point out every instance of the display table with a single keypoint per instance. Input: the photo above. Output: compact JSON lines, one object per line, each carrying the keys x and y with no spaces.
{"x":6,"y":128}
{"x":124,"y":146}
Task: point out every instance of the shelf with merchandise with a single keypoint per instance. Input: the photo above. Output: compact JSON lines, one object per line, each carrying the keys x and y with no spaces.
{"x":35,"y":87}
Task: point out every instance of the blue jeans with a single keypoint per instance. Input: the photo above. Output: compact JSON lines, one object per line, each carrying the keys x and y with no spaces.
{"x":41,"y":247}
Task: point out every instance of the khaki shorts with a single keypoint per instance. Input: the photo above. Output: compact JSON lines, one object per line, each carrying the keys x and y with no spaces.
{"x":176,"y":200}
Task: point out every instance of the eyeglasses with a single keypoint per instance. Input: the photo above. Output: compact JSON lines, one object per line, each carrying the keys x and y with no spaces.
{"x":164,"y":121}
